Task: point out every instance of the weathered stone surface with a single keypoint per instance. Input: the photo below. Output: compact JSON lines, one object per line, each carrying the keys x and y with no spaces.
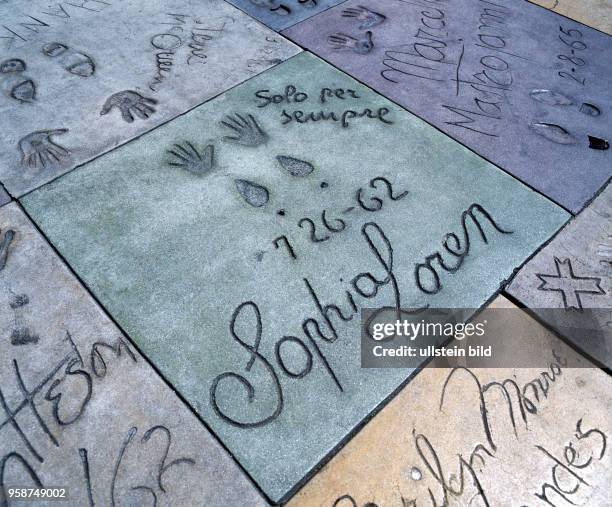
{"x":81,"y":409}
{"x":79,"y":78}
{"x":595,"y":13}
{"x":573,"y":273}
{"x":281,"y":14}
{"x":234,"y":214}
{"x":438,"y":441}
{"x":4,"y":197}
{"x":521,"y":86}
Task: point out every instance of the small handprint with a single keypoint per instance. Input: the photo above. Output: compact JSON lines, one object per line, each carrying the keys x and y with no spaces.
{"x":360,"y":46}
{"x":4,"y":247}
{"x":130,"y":103}
{"x":367,"y":17}
{"x":190,"y":159}
{"x":73,"y":61}
{"x":38,"y":149}
{"x":247,"y":131}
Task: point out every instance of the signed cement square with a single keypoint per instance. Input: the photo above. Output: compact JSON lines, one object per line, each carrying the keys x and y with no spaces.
{"x":574,"y":273}
{"x":518,"y":84}
{"x":482,"y":436}
{"x":80,"y":408}
{"x":281,"y":14}
{"x":80,"y":78}
{"x":237,"y":243}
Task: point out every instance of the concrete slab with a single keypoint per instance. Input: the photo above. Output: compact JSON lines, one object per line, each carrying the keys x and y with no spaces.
{"x":573,"y":276}
{"x":520,"y":85}
{"x":80,"y":78}
{"x":214,"y":239}
{"x":80,"y":408}
{"x":451,"y":437}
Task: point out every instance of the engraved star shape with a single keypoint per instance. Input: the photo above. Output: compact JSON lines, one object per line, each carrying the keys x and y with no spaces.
{"x":569,"y":285}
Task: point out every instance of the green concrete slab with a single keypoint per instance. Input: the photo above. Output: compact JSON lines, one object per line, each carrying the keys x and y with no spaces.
{"x":213,"y":239}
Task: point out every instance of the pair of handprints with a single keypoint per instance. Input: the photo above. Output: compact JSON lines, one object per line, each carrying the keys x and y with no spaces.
{"x":361,"y":44}
{"x":243,"y":130}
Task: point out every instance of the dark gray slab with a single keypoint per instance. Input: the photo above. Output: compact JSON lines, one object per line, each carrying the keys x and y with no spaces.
{"x":79,"y":406}
{"x":79,"y":78}
{"x":573,"y":274}
{"x":234,"y":214}
{"x":4,"y":197}
{"x":281,"y":14}
{"x":518,"y":84}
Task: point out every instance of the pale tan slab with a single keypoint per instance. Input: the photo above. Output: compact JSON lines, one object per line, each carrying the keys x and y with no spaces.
{"x":413,"y":452}
{"x":595,"y":13}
